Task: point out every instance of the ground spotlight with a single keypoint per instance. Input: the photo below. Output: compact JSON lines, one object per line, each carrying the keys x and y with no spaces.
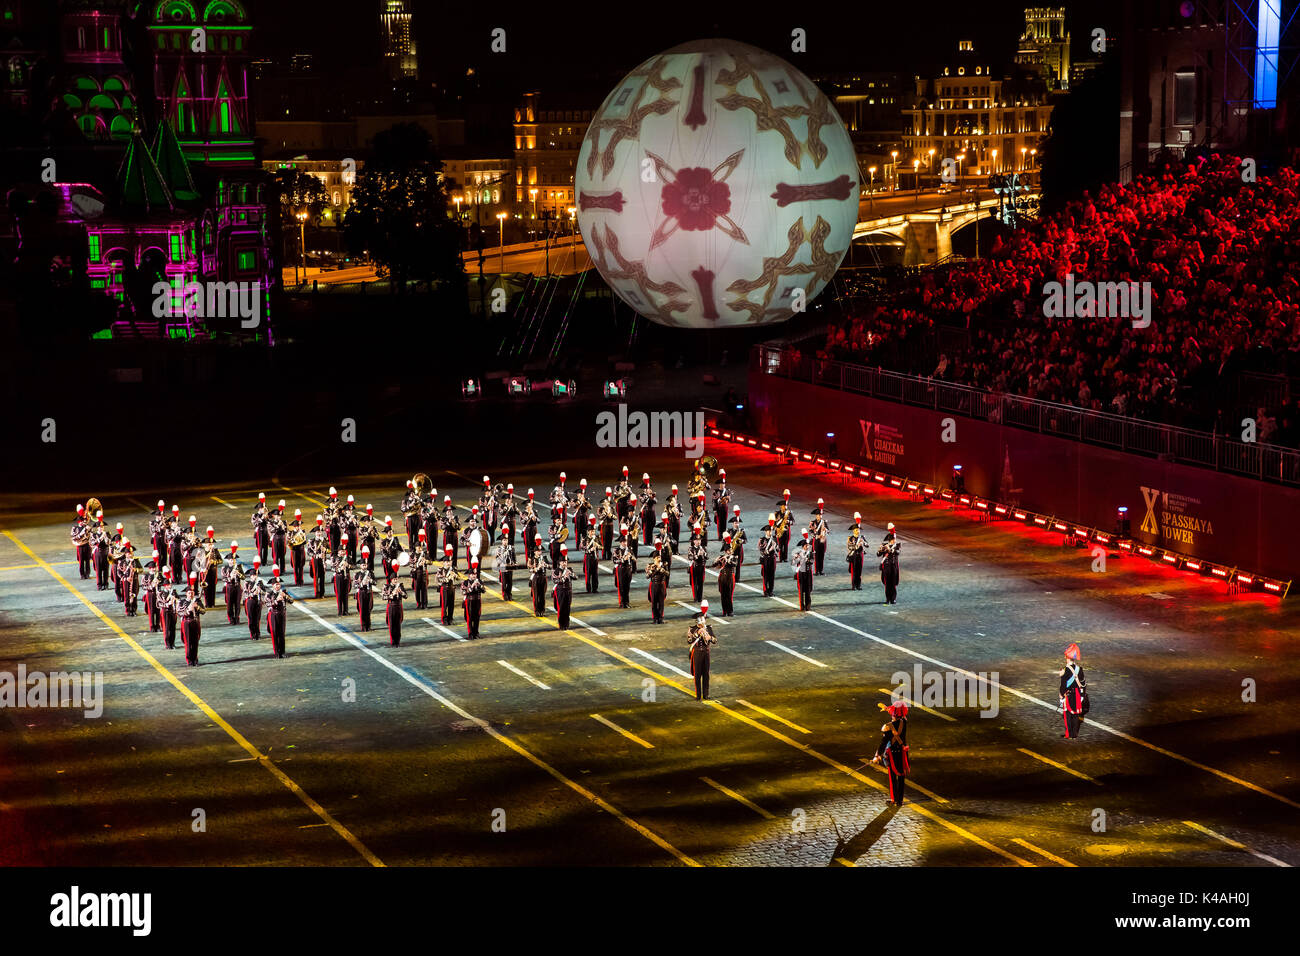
{"x":471,"y":388}
{"x":616,"y":389}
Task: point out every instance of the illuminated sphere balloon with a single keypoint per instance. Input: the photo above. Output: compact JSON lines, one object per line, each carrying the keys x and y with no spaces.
{"x":717,"y":186}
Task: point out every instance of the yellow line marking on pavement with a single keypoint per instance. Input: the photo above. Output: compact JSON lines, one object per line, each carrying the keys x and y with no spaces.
{"x":1059,"y":766}
{"x":738,"y":798}
{"x":910,"y":782}
{"x":1041,"y":852}
{"x":497,"y":735}
{"x":912,"y":703}
{"x":776,"y":717}
{"x":1233,"y":843}
{"x":211,"y":714}
{"x":220,"y":502}
{"x":845,"y":862}
{"x":30,"y":567}
{"x":629,"y":735}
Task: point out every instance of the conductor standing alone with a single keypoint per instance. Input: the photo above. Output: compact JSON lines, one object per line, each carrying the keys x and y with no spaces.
{"x":700,"y":636}
{"x":892,"y":752}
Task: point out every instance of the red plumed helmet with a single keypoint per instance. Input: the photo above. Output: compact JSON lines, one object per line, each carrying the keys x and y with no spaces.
{"x":898,"y":708}
{"x":257,"y":561}
{"x":365,"y":549}
{"x":1072,"y":652}
{"x":448,"y":549}
{"x":423,"y":533}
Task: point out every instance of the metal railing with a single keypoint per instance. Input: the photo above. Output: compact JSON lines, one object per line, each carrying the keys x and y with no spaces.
{"x":1252,"y":459}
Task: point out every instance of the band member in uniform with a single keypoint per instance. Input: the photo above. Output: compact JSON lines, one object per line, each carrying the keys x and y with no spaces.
{"x":817,"y":529}
{"x":888,"y":554}
{"x":209,"y":568}
{"x":349,"y":522}
{"x":509,"y":512}
{"x":531,"y":536}
{"x":428,"y":521}
{"x":623,"y":497}
{"x":297,"y":546}
{"x":559,"y":500}
{"x":673,"y":508}
{"x":261,"y":541}
{"x":767,"y":556}
{"x":410,"y":508}
{"x":169,"y":603}
{"x":802,"y":562}
{"x":562,"y":588}
{"x":254,"y":591}
{"x":624,"y":568}
{"x":892,"y":752}
{"x":699,"y":637}
{"x":471,"y":590}
{"x":608,"y":515}
{"x":721,"y":501}
{"x":99,"y":547}
{"x":80,"y":536}
{"x":393,"y":593}
{"x":784,"y":521}
{"x":647,"y":498}
{"x":232,"y":575}
{"x":368,"y":533}
{"x":553,"y":542}
{"x":317,"y":553}
{"x":537,"y":565}
{"x":487,"y":509}
{"x":857,"y":551}
{"x":1074,"y":692}
{"x":504,"y":558}
{"x":176,"y":546}
{"x":447,"y":579}
{"x":332,"y":520}
{"x":634,"y":527}
{"x":738,"y":537}
{"x":149,"y":592}
{"x":191,"y":611}
{"x":157,"y":528}
{"x":129,"y":566}
{"x":390,"y":548}
{"x":420,"y":573}
{"x":591,"y":549}
{"x":449,"y":524}
{"x":657,"y":583}
{"x":471,"y":525}
{"x":114,"y":555}
{"x":363,"y":586}
{"x":725,"y":562}
{"x":699,"y":519}
{"x":697,"y":556}
{"x":277,"y":600}
{"x":342,"y":569}
{"x":581,"y":510}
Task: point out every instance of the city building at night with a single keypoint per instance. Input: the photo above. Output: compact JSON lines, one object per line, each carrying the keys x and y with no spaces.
{"x":1045,"y":46}
{"x":398,"y":42}
{"x":995,"y":122}
{"x":547,"y":139}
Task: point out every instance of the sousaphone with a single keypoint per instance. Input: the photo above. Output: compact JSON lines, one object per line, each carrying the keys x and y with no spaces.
{"x":422,"y":484}
{"x":93,"y":506}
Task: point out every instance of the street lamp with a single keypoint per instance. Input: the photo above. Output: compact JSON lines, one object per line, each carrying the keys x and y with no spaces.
{"x":501,"y":247}
{"x":1023,"y":150}
{"x":960,"y":157}
{"x":302,"y":242}
{"x":995,"y":160}
{"x":871,"y":199}
{"x":894,"y":154}
{"x":916,"y":175}
{"x":533,"y":193}
{"x":457,"y":200}
{"x":573,"y":221}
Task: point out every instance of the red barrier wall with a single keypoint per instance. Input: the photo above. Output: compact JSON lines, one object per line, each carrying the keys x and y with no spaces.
{"x":1222,"y":518}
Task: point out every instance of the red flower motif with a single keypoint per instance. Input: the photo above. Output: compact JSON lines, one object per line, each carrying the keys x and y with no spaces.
{"x":695,"y":199}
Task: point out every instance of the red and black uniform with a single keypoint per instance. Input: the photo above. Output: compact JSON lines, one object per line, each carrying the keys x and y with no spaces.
{"x":504,"y":557}
{"x":192,"y":611}
{"x":803,"y":574}
{"x":81,"y":543}
{"x":857,"y":552}
{"x":342,"y":581}
{"x":624,"y":568}
{"x":767,"y":557}
{"x":393,"y":593}
{"x":726,"y":565}
{"x":697,"y":553}
{"x":892,"y":752}
{"x":700,"y":636}
{"x":471,"y":590}
{"x":537,"y":580}
{"x":254,"y":591}
{"x":363,"y":585}
{"x":317,"y":542}
{"x":562,"y":593}
{"x":817,"y":534}
{"x":233,"y":574}
{"x":420,"y":576}
{"x":1073,"y":692}
{"x":447,"y":593}
{"x":168,"y":608}
{"x":657,"y":587}
{"x":277,"y":601}
{"x":888,"y":553}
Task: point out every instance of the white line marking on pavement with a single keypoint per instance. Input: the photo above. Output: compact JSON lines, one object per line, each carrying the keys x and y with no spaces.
{"x":801,"y":657}
{"x":446,"y":630}
{"x":768,"y":713}
{"x":628,"y":734}
{"x":675,"y":670}
{"x":1233,"y":843}
{"x":220,"y":502}
{"x":491,"y":731}
{"x":594,"y":630}
{"x":528,"y":677}
{"x":738,"y":798}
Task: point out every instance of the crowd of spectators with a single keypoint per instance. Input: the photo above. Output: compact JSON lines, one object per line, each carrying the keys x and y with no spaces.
{"x":1222,"y":256}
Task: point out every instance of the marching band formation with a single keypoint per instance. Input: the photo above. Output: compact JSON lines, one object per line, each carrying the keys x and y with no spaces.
{"x":345,"y":542}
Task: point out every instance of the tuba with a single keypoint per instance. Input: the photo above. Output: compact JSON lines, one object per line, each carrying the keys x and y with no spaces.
{"x":422,"y":484}
{"x":298,"y":537}
{"x":92,"y":506}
